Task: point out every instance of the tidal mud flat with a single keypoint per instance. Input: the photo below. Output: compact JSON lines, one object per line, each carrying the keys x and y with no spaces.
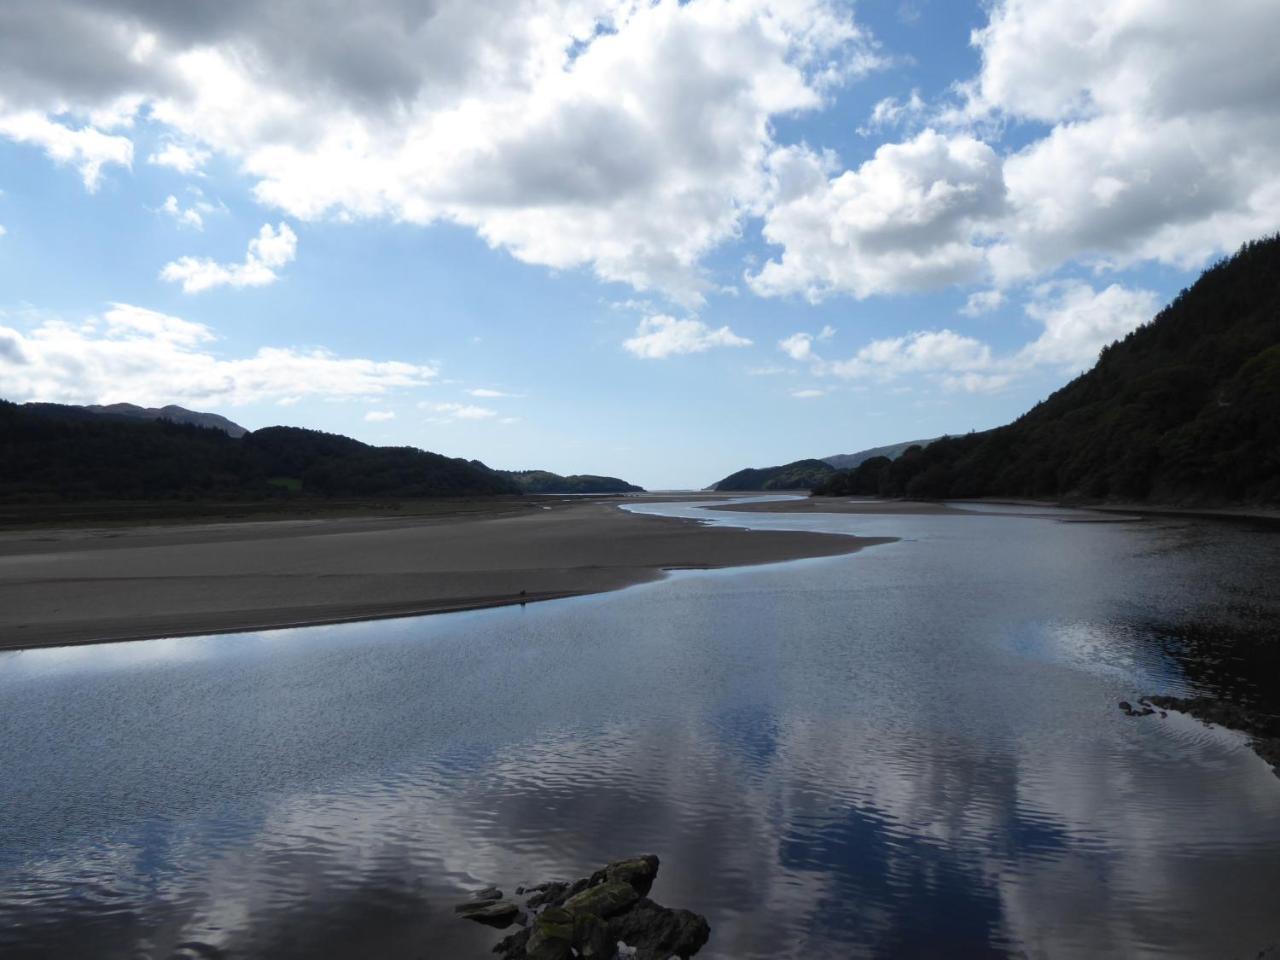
{"x":85,"y":585}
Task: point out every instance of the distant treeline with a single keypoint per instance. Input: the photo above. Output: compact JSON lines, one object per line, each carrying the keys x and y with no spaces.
{"x":1185,"y":409}
{"x":543,"y":481}
{"x":48,"y":451}
{"x":800,"y":475}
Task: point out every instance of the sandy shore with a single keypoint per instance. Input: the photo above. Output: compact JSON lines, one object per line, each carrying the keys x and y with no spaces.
{"x":84,"y":585}
{"x":844,"y":505}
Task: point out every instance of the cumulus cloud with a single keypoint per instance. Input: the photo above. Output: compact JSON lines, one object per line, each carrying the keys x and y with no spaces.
{"x":627,"y":137}
{"x":1079,"y":320}
{"x":379,"y":416}
{"x":891,"y":112}
{"x":271,"y":249}
{"x":448,"y":412}
{"x":1164,"y":142}
{"x":663,"y":336}
{"x":982,"y":301}
{"x":142,"y":356}
{"x":186,"y":160}
{"x":187,"y":216}
{"x":634,"y":138}
{"x":931,"y":351}
{"x":905,"y":220}
{"x":799,"y":346}
{"x":1076,"y":321}
{"x":1160,"y":142}
{"x":86,"y":148}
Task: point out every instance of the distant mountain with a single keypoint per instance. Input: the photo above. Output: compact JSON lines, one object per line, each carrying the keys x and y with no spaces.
{"x":800,"y":475}
{"x":48,"y":451}
{"x":1184,"y":410}
{"x":543,"y":481}
{"x":174,"y":413}
{"x":847,"y":461}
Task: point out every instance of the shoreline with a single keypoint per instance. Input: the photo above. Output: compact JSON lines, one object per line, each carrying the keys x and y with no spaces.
{"x":82,"y":585}
{"x":875,"y":506}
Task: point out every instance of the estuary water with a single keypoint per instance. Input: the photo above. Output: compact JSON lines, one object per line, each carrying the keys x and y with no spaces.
{"x":910,"y":751}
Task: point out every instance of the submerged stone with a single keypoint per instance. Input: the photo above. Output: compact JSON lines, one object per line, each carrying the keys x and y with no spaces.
{"x":498,"y":913}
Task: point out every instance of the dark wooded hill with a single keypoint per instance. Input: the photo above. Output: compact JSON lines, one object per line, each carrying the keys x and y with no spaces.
{"x":51,"y":452}
{"x":1184,"y":410}
{"x":800,"y":475}
{"x":544,"y":481}
{"x":171,"y":412}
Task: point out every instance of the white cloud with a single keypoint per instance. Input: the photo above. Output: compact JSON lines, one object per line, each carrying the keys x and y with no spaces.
{"x":663,"y":336}
{"x":186,"y":160}
{"x":891,"y":113}
{"x":271,"y":249}
{"x":1161,"y":142}
{"x":485,"y":393}
{"x":448,"y":412}
{"x":1079,"y":321}
{"x":188,"y":216}
{"x":633,"y":138}
{"x":1076,"y":322}
{"x":799,"y":346}
{"x":905,"y":220}
{"x":1164,"y":140}
{"x":982,"y":301}
{"x":379,"y":416}
{"x":131,"y":354}
{"x":626,"y":137}
{"x":86,"y":148}
{"x":931,"y":351}
{"x":808,"y":394}
{"x":3,"y":231}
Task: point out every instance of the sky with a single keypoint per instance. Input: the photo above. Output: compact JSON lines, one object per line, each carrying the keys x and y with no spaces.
{"x":656,"y":240}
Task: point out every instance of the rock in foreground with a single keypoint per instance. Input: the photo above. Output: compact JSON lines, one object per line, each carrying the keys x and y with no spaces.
{"x":599,"y":916}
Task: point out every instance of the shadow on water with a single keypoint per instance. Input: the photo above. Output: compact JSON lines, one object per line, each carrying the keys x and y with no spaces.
{"x":912,"y":751}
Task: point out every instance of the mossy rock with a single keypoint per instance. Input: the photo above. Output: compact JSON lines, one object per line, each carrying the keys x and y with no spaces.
{"x":605,"y":900}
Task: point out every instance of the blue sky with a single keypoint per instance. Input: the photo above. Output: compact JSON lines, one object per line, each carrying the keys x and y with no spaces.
{"x":660,"y":241}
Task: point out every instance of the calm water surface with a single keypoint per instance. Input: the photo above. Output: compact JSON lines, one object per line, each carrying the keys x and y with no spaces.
{"x":911,"y":751}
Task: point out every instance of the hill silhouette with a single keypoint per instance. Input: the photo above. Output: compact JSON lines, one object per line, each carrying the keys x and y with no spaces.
{"x":1183,"y":410}
{"x":171,"y":412}
{"x":544,"y":481}
{"x":847,"y":461}
{"x":54,"y":452}
{"x":800,"y":475}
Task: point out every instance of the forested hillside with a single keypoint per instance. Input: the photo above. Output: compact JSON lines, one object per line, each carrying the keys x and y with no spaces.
{"x":544,"y":481}
{"x":50,"y":452}
{"x":848,"y":461}
{"x":1184,"y":410}
{"x":800,"y":475}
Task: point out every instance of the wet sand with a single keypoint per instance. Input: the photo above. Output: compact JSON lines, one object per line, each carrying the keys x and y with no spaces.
{"x":845,"y":505}
{"x":85,"y":585}
{"x":1066,"y":512}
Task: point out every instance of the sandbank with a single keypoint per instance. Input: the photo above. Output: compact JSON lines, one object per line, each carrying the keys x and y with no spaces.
{"x":86,"y":584}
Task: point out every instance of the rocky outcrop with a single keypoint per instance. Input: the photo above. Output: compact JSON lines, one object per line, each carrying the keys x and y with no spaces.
{"x":600,"y":917}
